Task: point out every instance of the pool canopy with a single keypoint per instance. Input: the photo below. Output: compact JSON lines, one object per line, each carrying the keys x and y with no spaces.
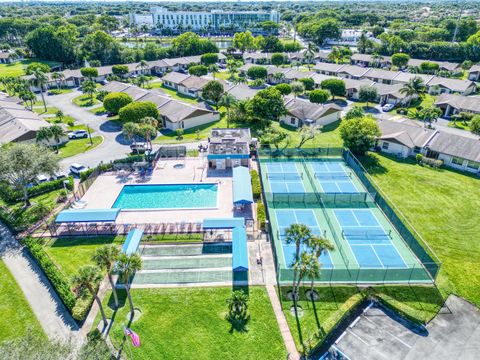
{"x":239,"y":249}
{"x":87,"y":215}
{"x":132,"y":242}
{"x":242,"y":186}
{"x":223,"y":223}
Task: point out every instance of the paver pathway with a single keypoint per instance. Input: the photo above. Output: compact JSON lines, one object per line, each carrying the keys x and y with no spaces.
{"x":40,"y":294}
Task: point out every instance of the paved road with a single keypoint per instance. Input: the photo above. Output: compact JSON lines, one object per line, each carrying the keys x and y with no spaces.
{"x":40,"y":294}
{"x":114,"y":145}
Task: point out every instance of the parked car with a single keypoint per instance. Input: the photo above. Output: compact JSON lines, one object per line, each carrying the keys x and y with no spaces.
{"x":139,"y":147}
{"x":388,"y":107}
{"x":57,"y":176}
{"x":41,"y":179}
{"x":78,"y":134}
{"x":77,"y":169}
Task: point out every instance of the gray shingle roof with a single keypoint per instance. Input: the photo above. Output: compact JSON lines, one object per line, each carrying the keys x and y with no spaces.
{"x":305,"y":110}
{"x":455,"y":145}
{"x":460,"y":102}
{"x":404,"y":133}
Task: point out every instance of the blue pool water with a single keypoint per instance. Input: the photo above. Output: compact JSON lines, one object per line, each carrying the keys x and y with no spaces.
{"x":179,"y":196}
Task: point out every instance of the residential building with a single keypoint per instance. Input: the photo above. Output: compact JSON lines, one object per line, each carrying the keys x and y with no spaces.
{"x":211,"y":21}
{"x":474,"y":73}
{"x":242,"y":92}
{"x":408,"y":138}
{"x":302,"y":112}
{"x":350,"y":37}
{"x":174,"y":79}
{"x":438,"y":85}
{"x":452,"y":104}
{"x":368,"y":60}
{"x":352,"y":87}
{"x":229,"y":148}
{"x":9,"y":57}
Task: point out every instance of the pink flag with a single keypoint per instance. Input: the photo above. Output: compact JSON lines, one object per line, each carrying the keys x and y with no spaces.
{"x":133,"y":335}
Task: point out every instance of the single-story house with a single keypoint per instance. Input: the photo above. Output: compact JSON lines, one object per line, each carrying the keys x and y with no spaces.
{"x":179,"y":115}
{"x":9,"y":57}
{"x":257,"y":57}
{"x":352,"y":72}
{"x":381,"y":76}
{"x":328,"y":68}
{"x":404,"y":77}
{"x":391,"y":94}
{"x":242,"y":92}
{"x":302,"y":112}
{"x":115,"y":86}
{"x":318,"y":78}
{"x":443,"y":65}
{"x":192,"y":86}
{"x":474,"y":73}
{"x":452,"y":104}
{"x":174,"y":79}
{"x":438,"y":85}
{"x":367,"y":60}
{"x":352,"y":87}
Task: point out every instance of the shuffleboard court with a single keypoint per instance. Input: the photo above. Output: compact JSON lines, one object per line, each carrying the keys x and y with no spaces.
{"x":370,"y":242}
{"x":287,"y":217}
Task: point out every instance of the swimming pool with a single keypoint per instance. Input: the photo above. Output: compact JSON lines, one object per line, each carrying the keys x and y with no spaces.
{"x":167,"y":196}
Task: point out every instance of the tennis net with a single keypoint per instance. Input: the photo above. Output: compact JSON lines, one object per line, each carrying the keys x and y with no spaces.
{"x":366,"y":234}
{"x":333,"y":175}
{"x":285,"y":176}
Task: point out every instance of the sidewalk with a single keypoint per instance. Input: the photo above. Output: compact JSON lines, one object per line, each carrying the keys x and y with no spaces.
{"x":40,"y":294}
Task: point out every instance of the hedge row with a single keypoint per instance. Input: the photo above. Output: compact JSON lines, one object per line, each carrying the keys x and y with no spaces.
{"x":261,"y":217}
{"x":12,"y":196}
{"x":256,"y":186}
{"x":103,"y":167}
{"x":58,"y":280}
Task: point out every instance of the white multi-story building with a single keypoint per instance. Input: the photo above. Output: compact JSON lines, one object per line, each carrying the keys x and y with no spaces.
{"x":204,"y":20}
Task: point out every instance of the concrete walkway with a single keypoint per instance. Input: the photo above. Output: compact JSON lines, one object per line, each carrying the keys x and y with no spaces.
{"x":40,"y":294}
{"x":282,"y":324}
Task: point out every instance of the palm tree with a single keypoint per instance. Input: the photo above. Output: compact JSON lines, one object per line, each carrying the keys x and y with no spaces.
{"x":142,"y":80}
{"x":40,"y":79}
{"x":237,"y":305}
{"x":376,"y":59}
{"x":58,"y":77}
{"x":213,"y":68}
{"x":309,"y":53}
{"x":319,"y":245}
{"x":28,"y":96}
{"x":310,"y":268}
{"x":297,"y":234}
{"x":105,"y":258}
{"x":130,"y":129}
{"x":227,"y":100}
{"x":127,"y":265}
{"x":88,"y":277}
{"x":89,"y":87}
{"x":143,"y":65}
{"x":414,"y":86}
{"x":335,"y":55}
{"x":59,"y":114}
{"x":56,"y":131}
{"x":148,"y":132}
{"x":297,"y":88}
{"x":278,"y":77}
{"x":43,"y":135}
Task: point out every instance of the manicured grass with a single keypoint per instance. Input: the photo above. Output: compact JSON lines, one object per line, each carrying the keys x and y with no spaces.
{"x":18,"y":68}
{"x":172,"y":93}
{"x":329,"y":136}
{"x":85,"y":101}
{"x":419,"y":303}
{"x":71,"y":253}
{"x":98,"y":110}
{"x":190,"y":324}
{"x":55,"y":91}
{"x":17,"y":317}
{"x":426,"y":102}
{"x":459,"y":125}
{"x":78,"y":146}
{"x":224,"y":75}
{"x":443,"y":205}
{"x":41,"y":110}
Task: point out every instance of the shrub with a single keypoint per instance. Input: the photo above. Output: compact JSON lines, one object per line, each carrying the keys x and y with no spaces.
{"x":308,"y":83}
{"x":136,"y":111}
{"x":101,"y":94}
{"x":58,"y":280}
{"x":257,"y":72}
{"x":319,"y":96}
{"x":256,"y":185}
{"x":209,"y":59}
{"x":86,"y":174}
{"x":11,"y":196}
{"x":475,"y":125}
{"x":261,"y":216}
{"x":419,"y":158}
{"x":113,"y":102}
{"x":198,"y":70}
{"x":284,"y":89}
{"x":335,"y":86}
{"x":89,"y":72}
{"x":277,"y":59}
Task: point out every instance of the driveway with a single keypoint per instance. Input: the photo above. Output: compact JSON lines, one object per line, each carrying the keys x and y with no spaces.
{"x":114,"y":145}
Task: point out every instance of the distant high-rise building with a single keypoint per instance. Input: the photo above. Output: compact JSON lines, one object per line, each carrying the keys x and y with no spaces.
{"x":213,"y":21}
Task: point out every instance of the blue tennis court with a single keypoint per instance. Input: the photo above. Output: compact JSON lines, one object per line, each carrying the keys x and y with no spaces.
{"x":370,"y":243}
{"x":333,"y":177}
{"x":287,"y":217}
{"x":284,"y":178}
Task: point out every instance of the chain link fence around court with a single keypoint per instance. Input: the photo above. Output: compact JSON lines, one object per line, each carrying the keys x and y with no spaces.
{"x":424,"y":271}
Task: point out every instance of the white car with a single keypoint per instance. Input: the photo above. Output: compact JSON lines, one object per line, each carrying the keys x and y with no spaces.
{"x":388,"y":107}
{"x":77,"y":169}
{"x":78,"y":134}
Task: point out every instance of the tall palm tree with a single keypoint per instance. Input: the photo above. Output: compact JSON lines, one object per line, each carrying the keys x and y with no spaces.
{"x":127,"y":265}
{"x":310,"y":268}
{"x":89,"y":87}
{"x":58,"y":77}
{"x":319,"y":245}
{"x":88,"y":277}
{"x":143,"y":65}
{"x":57,"y":133}
{"x":297,"y":234}
{"x":227,"y":100}
{"x":414,"y":86}
{"x":40,"y":79}
{"x":309,"y":53}
{"x":43,"y":135}
{"x":105,"y":258}
{"x":129,"y":130}
{"x":334,"y":55}
{"x":213,"y":68}
{"x":28,"y":97}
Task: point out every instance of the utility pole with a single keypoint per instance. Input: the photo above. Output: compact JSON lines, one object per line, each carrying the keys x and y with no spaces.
{"x":458,"y":20}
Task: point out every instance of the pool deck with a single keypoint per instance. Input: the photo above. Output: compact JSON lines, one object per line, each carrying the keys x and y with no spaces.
{"x":105,"y":190}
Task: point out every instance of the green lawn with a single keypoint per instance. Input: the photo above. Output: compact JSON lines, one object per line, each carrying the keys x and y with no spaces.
{"x":98,"y":110}
{"x":426,"y":102}
{"x":224,"y":75}
{"x":18,"y":68}
{"x":462,"y":125}
{"x":190,"y":324}
{"x":41,"y":110}
{"x":78,"y":146}
{"x":329,"y":136}
{"x":320,"y":317}
{"x":60,"y":91}
{"x":17,"y":317}
{"x":85,"y":101}
{"x":443,"y":205}
{"x":172,"y":93}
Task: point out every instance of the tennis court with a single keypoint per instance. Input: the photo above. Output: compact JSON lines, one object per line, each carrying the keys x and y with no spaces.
{"x":333,"y":177}
{"x":371,"y":245}
{"x":287,"y":217}
{"x":284,"y":177}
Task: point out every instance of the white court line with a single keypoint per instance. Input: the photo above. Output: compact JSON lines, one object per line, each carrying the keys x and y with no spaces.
{"x":380,"y":260}
{"x":358,"y":337}
{"x":388,"y":332}
{"x":342,"y":238}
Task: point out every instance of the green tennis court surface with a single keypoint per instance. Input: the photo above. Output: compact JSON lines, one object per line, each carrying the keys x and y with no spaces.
{"x":327,"y":196}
